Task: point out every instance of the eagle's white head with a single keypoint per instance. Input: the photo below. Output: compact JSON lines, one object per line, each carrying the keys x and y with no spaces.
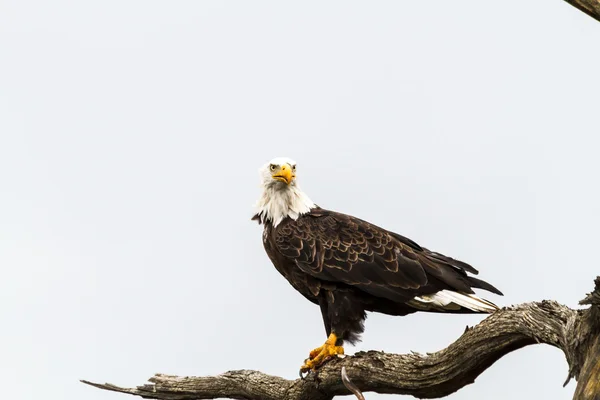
{"x":281,"y":196}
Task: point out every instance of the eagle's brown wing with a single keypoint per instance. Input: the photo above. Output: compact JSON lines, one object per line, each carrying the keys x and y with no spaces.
{"x":340,"y":248}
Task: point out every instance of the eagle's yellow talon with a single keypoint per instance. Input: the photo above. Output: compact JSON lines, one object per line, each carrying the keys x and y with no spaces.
{"x":315,"y":352}
{"x":321,"y":354}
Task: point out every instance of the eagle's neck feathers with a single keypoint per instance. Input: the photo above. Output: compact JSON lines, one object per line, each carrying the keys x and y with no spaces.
{"x":279,"y":201}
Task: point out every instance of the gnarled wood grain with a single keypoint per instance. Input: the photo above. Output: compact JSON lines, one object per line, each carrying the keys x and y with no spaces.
{"x":575,"y":332}
{"x":590,"y":7}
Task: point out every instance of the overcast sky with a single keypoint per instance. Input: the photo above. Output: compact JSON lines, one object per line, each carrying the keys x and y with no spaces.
{"x":131,"y":134}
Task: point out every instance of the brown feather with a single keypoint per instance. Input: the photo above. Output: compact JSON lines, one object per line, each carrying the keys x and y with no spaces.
{"x":327,"y":256}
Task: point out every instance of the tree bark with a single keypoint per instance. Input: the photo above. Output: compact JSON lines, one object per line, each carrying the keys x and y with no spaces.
{"x":586,"y":346}
{"x":575,"y":332}
{"x":590,"y":7}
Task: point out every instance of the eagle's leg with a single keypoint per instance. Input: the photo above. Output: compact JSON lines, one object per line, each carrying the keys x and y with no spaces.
{"x":343,"y":315}
{"x":323,"y":353}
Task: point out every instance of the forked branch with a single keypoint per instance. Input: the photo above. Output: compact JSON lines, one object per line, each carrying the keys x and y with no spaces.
{"x":575,"y":332}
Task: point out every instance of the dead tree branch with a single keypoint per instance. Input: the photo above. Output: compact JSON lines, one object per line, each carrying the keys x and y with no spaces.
{"x":575,"y":332}
{"x":590,"y":7}
{"x":350,"y":385}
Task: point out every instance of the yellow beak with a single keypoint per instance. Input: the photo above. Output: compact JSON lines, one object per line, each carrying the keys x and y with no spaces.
{"x":285,"y":174}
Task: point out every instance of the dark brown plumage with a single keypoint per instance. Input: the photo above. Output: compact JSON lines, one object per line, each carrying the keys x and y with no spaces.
{"x":348,"y":266}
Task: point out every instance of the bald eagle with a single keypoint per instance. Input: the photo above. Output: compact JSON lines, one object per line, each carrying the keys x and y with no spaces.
{"x":348,"y":266}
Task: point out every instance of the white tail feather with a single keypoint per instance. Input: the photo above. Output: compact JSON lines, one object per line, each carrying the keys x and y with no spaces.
{"x":449,"y":300}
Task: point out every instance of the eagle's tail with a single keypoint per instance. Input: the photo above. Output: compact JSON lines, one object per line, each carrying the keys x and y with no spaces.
{"x":447,"y":300}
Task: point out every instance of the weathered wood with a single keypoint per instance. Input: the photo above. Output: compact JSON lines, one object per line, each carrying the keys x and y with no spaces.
{"x":575,"y":332}
{"x":350,"y":385}
{"x":590,"y":7}
{"x":588,"y":384}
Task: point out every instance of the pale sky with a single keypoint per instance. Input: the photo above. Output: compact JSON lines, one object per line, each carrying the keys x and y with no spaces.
{"x":131,"y":133}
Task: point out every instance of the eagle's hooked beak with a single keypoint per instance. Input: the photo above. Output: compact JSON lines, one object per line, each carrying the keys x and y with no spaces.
{"x":285,"y":174}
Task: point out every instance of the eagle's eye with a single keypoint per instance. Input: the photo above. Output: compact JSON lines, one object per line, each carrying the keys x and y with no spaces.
{"x":294,"y":167}
{"x":273,"y":166}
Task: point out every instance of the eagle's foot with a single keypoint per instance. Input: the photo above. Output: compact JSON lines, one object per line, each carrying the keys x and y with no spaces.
{"x":322,"y":354}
